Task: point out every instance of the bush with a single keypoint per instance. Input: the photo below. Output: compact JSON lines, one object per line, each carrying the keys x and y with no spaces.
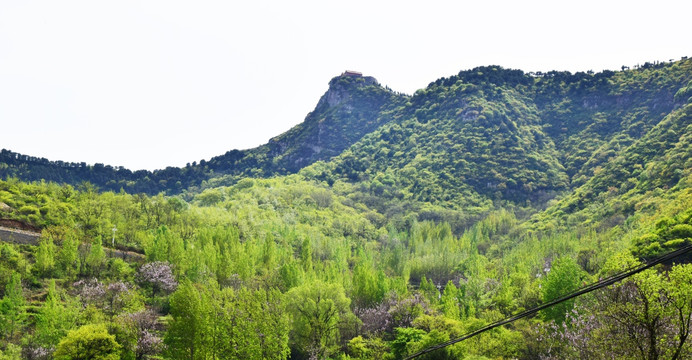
{"x":88,"y":342}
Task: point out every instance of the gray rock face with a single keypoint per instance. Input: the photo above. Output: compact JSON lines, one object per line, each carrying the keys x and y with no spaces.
{"x":340,"y":87}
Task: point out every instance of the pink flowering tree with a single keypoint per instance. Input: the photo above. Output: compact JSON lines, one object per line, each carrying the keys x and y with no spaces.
{"x":159,"y":276}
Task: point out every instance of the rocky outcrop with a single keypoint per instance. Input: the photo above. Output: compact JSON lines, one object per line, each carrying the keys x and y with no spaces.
{"x":18,"y":236}
{"x":341,"y":87}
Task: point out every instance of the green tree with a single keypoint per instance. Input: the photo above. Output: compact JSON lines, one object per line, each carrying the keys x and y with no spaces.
{"x":317,"y":310}
{"x":564,"y":277}
{"x":250,"y":324}
{"x":226,"y":324}
{"x":188,"y":335}
{"x":96,"y":258}
{"x":451,"y":301}
{"x":429,"y":290}
{"x":67,"y":259}
{"x":681,"y":300}
{"x":12,"y":352}
{"x":369,"y":286}
{"x":647,"y":316}
{"x":12,"y":308}
{"x":55,"y":318}
{"x":45,"y":256}
{"x":306,"y":255}
{"x":290,"y":274}
{"x":89,"y":342}
{"x":369,"y":348}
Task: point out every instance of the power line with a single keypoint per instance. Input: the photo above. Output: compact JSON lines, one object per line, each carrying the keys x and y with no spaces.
{"x":587,"y":289}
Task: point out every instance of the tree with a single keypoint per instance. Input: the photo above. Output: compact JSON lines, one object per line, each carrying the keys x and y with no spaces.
{"x":249,"y":324}
{"x":564,"y":277}
{"x":369,"y":285}
{"x":226,"y":324}
{"x":116,"y":297}
{"x":12,"y":307}
{"x":306,"y":255}
{"x":681,"y":301}
{"x":67,"y":259}
{"x":45,"y":256}
{"x":159,"y":276}
{"x":317,"y":310}
{"x":451,"y":301}
{"x":429,"y":290}
{"x":646,"y":316}
{"x":89,"y":342}
{"x":96,"y":258}
{"x":55,"y":318}
{"x":12,"y":352}
{"x":136,"y":332}
{"x":290,"y":274}
{"x":633,"y":311}
{"x":369,"y":348}
{"x":188,"y":333}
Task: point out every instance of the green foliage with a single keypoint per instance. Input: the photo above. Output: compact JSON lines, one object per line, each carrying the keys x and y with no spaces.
{"x":669,"y":234}
{"x":12,"y":263}
{"x":55,"y":317}
{"x":645,"y":316}
{"x":369,"y":285}
{"x":482,"y":195}
{"x":451,"y":300}
{"x":12,"y":308}
{"x":45,"y":257}
{"x":187,"y":334}
{"x":368,"y":348}
{"x":226,"y":324}
{"x":318,"y":311}
{"x":12,"y":352}
{"x":565,"y":276}
{"x":405,"y":336}
{"x":88,"y":342}
{"x":251,"y":325}
{"x":96,"y":258}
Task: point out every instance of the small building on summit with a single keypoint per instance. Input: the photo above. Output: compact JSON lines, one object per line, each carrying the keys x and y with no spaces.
{"x":352,"y":73}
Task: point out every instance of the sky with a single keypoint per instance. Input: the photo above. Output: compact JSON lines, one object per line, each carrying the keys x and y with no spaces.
{"x":150,"y":84}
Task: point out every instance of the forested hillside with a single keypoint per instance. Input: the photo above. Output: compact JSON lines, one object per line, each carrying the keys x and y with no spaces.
{"x":382,"y":225}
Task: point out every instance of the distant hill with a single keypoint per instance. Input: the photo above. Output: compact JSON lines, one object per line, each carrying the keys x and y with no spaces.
{"x":469,"y":141}
{"x":492,"y":136}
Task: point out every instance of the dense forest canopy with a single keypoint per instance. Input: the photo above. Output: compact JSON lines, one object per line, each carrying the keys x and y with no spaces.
{"x":381,"y":225}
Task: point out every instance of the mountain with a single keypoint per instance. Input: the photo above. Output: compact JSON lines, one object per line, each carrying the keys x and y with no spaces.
{"x":470,"y":142}
{"x":382,"y":225}
{"x":353,"y":106}
{"x":491,"y":137}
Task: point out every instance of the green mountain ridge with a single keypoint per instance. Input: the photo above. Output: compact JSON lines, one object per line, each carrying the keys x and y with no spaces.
{"x":482,"y":123}
{"x":454,"y":151}
{"x":352,"y":107}
{"x":382,"y":225}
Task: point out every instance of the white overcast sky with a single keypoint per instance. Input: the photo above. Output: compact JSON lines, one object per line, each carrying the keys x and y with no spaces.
{"x":150,"y":84}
